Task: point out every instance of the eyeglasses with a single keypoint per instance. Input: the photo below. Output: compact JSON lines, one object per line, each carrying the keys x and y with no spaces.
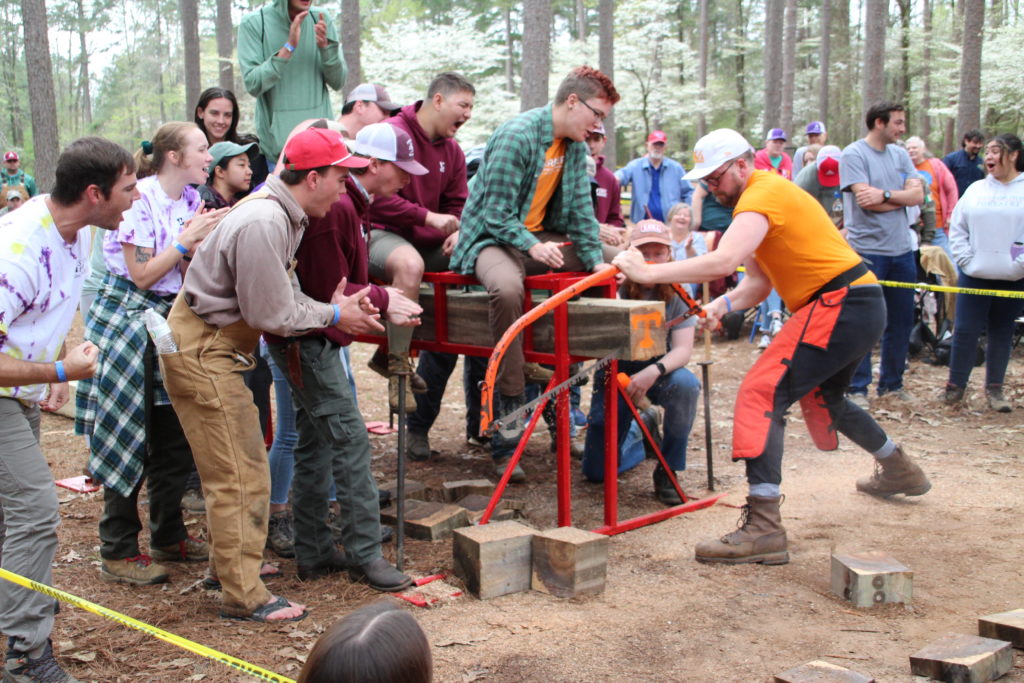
{"x":600,"y":115}
{"x":717,"y":178}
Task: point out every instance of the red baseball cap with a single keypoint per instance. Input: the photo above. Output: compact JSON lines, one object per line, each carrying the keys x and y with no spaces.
{"x":11,"y":156}
{"x":318,"y":147}
{"x":657,"y":136}
{"x":828,"y":165}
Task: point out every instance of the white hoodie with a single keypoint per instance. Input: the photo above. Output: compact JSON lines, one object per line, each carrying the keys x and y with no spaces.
{"x":986,"y":221}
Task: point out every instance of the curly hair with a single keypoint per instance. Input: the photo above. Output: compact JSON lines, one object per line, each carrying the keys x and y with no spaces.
{"x":586,"y":82}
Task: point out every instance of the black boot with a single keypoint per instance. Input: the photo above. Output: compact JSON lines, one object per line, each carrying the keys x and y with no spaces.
{"x":663,"y":488}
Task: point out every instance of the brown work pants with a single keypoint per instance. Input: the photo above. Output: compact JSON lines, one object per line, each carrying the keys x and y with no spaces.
{"x":222,"y":425}
{"x":501,"y":270}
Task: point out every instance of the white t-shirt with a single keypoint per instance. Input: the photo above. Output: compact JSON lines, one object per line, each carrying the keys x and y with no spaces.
{"x":154,"y":221}
{"x":41,"y":278}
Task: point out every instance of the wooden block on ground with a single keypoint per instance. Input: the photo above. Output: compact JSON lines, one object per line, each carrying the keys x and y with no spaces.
{"x":819,"y":671}
{"x":494,"y":559}
{"x":1007,"y":626}
{"x":413,"y":489}
{"x":959,"y":658}
{"x":871,"y":578}
{"x":427,"y":520}
{"x":475,"y":504}
{"x":568,"y":562}
{"x":453,"y":490}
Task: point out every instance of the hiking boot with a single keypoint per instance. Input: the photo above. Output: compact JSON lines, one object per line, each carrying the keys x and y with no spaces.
{"x":953,"y":395}
{"x":860,"y":400}
{"x":895,"y":474}
{"x":139,"y":570}
{"x":281,"y":534}
{"x":190,"y":550}
{"x":418,"y":446}
{"x":575,"y":447}
{"x":759,"y":538}
{"x":996,"y":400}
{"x":194,"y":502}
{"x":901,"y":395}
{"x":535,"y":373}
{"x":380,"y":575}
{"x":652,"y":420}
{"x":664,"y":491}
{"x":20,"y":668}
{"x":334,"y":564}
{"x":518,"y":475}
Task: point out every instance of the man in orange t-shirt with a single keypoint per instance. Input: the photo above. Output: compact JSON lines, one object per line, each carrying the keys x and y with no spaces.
{"x":787,"y":242}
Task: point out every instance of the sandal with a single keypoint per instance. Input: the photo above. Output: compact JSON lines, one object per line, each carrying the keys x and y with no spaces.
{"x":267,"y":571}
{"x":263,"y":612}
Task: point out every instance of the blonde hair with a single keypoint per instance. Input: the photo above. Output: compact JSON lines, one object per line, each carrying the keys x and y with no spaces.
{"x":170,"y":137}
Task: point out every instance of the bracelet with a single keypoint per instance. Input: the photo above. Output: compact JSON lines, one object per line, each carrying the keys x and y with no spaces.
{"x":289,"y":47}
{"x":186,"y":258}
{"x":661,"y":368}
{"x":180,"y":247}
{"x":728,"y":303}
{"x":61,"y":375}
{"x":337,"y":314}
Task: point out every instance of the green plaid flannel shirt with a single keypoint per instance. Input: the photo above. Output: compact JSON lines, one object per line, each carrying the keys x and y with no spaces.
{"x":502,"y":190}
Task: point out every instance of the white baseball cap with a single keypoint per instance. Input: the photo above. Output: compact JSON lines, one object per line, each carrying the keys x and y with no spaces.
{"x":715,"y":149}
{"x":388,"y":143}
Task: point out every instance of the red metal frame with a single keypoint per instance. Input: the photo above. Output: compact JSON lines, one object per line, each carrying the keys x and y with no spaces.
{"x":561,"y":360}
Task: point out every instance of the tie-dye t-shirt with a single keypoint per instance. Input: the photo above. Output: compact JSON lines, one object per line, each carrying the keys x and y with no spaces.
{"x":154,"y":221}
{"x":41,"y":277}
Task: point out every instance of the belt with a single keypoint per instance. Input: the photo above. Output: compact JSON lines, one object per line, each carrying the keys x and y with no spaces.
{"x":842,"y":280}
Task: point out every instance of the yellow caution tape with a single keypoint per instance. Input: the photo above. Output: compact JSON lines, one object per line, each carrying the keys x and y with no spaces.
{"x":1004,"y":293}
{"x":184,"y":643}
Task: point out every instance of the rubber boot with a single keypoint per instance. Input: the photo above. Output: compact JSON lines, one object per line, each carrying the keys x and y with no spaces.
{"x":895,"y":474}
{"x":759,"y":538}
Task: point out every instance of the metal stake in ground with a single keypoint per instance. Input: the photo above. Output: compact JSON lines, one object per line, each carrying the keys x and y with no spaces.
{"x":705,"y":368}
{"x":400,"y":489}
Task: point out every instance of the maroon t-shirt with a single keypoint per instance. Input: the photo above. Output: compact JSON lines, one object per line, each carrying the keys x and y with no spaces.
{"x":442,"y":190}
{"x":607,"y":210}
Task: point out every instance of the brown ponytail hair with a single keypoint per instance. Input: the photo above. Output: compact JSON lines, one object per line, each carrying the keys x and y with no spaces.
{"x":151,"y":156}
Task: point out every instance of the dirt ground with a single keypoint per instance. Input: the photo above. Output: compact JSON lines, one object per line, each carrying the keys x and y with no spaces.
{"x":663,"y":616}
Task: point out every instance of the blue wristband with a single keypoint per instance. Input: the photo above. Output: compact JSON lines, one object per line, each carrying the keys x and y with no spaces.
{"x":337,"y":314}
{"x":61,"y":375}
{"x":289,"y":47}
{"x":728,"y":304}
{"x":180,"y":247}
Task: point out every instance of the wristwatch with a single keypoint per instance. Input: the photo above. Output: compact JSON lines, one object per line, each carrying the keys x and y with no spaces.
{"x":661,"y":368}
{"x":886,"y":196}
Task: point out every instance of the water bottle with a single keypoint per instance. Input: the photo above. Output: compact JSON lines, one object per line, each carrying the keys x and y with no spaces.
{"x":837,"y":204}
{"x":159,"y":331}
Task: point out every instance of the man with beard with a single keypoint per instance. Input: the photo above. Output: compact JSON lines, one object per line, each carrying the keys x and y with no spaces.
{"x":657,"y":181}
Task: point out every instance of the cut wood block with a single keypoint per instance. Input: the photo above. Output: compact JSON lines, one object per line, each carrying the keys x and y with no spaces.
{"x":474,"y":504}
{"x":871,"y":578}
{"x":568,"y":562}
{"x":1004,"y":626}
{"x":958,"y":658}
{"x":494,"y":559}
{"x":453,"y":490}
{"x":819,"y":671}
{"x":413,"y":489}
{"x":427,"y":520}
{"x":633,"y":329}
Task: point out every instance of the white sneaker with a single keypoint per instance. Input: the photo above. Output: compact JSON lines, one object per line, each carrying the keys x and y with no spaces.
{"x":765,"y":341}
{"x":775,"y":327}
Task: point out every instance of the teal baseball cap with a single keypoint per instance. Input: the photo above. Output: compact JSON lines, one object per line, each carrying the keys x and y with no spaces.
{"x":226,"y":150}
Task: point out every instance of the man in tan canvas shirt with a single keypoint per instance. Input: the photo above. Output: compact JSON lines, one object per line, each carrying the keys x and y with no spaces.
{"x":240,"y":284}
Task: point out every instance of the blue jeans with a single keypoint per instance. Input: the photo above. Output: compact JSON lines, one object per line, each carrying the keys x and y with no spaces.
{"x":676,"y":392}
{"x":435,"y":369}
{"x":282,"y":452}
{"x":899,"y":321}
{"x":975,"y":314}
{"x":941,"y":239}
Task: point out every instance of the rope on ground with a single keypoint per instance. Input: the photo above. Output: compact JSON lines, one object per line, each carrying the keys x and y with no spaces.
{"x":124,"y":620}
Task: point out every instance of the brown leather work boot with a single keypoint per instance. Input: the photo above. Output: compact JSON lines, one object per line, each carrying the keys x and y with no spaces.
{"x":895,"y":474}
{"x":759,"y":538}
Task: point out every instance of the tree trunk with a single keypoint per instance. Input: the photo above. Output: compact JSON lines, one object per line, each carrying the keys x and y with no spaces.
{"x":926,"y":88}
{"x":788,"y":66}
{"x":968,"y":110}
{"x":43,"y":105}
{"x":876,"y":15}
{"x":581,"y":20}
{"x":903,"y":78}
{"x":741,"y":66}
{"x":702,"y":70}
{"x":825,"y":60}
{"x":190,"y":46}
{"x":606,"y":63}
{"x":536,"y":54}
{"x":225,"y":44}
{"x":772,"y":64}
{"x":83,"y":74}
{"x":510,"y":53}
{"x":350,"y":43}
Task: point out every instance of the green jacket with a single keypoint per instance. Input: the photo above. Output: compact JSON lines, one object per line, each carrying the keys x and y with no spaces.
{"x":502,"y":191}
{"x":287,"y":91}
{"x":10,"y":182}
